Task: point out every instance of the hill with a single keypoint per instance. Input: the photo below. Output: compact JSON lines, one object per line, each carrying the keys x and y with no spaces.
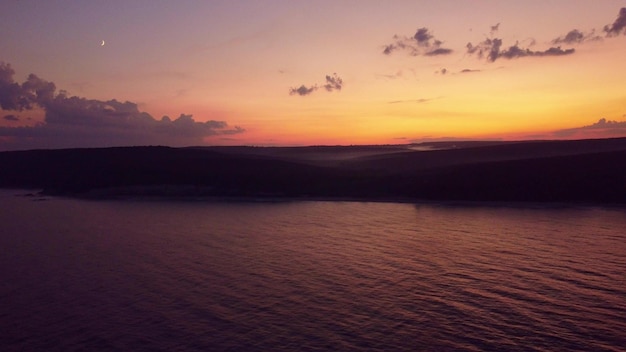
{"x":544,"y":171}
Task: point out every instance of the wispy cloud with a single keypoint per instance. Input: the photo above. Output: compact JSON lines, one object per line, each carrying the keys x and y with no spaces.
{"x":445,"y":71}
{"x":71,"y":121}
{"x":333,"y":82}
{"x":406,"y":73}
{"x":415,"y":101}
{"x":423,"y":42}
{"x":494,"y":29}
{"x":396,"y":75}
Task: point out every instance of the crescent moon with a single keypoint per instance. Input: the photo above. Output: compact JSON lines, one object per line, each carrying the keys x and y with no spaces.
{"x":102,"y":43}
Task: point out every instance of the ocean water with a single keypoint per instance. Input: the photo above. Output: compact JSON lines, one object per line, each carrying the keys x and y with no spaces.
{"x":79,"y":275}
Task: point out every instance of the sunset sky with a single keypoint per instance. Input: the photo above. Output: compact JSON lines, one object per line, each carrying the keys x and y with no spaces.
{"x":309,"y":72}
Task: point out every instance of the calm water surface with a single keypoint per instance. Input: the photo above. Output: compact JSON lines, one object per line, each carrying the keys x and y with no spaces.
{"x":306,"y":276}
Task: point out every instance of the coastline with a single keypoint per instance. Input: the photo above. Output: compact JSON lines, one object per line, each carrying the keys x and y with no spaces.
{"x":567,"y":172}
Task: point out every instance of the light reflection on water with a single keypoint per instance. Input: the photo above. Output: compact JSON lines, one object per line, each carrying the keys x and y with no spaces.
{"x":115,"y":275}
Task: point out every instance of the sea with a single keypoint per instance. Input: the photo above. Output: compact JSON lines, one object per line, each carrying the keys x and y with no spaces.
{"x":255,"y":275}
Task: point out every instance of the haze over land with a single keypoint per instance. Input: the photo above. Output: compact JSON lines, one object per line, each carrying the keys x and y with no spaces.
{"x":283,"y":73}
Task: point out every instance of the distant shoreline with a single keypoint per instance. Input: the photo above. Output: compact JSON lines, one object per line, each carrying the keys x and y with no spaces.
{"x":570,"y":172}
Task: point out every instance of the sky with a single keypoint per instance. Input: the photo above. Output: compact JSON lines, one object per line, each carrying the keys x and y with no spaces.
{"x":153,"y":72}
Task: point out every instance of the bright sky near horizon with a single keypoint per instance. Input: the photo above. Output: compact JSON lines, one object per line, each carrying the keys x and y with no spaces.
{"x":290,"y":72}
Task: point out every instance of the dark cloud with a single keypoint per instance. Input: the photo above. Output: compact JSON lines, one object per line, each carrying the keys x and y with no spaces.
{"x":390,"y":48}
{"x":11,"y":118}
{"x":491,"y":48}
{"x":515,"y":51}
{"x":71,"y":121}
{"x":619,"y":25}
{"x":602,"y":128}
{"x":422,"y":42}
{"x":468,"y":70}
{"x":439,"y":51}
{"x":302,"y":90}
{"x":573,"y":36}
{"x":576,"y":37}
{"x":423,"y":37}
{"x":333,"y":82}
{"x":553,"y":51}
{"x":12,"y":95}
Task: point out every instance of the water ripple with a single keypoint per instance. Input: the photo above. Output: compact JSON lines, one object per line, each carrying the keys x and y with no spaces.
{"x":310,"y":276}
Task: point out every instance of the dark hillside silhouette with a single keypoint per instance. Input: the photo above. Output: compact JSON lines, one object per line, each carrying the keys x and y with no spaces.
{"x":544,"y":171}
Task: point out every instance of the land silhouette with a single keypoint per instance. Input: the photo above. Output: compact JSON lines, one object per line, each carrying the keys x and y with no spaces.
{"x":535,"y":171}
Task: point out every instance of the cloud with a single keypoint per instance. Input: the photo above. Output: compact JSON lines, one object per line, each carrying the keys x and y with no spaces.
{"x":494,"y":29}
{"x":573,"y":36}
{"x":418,"y":101}
{"x":414,"y":101}
{"x":423,"y":42}
{"x":302,"y":90}
{"x":491,"y":48}
{"x":576,"y":37}
{"x":333,"y":82}
{"x":71,"y":121}
{"x":406,"y":73}
{"x":396,"y":75}
{"x":12,"y":95}
{"x":619,"y":25}
{"x":439,"y":51}
{"x":601,"y":129}
{"x":445,"y":71}
{"x":11,"y":118}
{"x":423,"y":37}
